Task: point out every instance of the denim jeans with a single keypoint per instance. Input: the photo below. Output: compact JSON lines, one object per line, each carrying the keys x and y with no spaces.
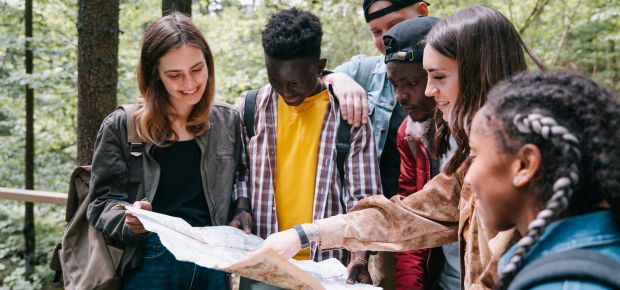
{"x":160,"y":270}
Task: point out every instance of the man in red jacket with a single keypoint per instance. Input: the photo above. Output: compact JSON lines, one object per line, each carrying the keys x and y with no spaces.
{"x":403,"y":57}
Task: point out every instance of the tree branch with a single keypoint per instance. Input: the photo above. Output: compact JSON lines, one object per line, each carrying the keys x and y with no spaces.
{"x":564,"y":36}
{"x":534,"y":15}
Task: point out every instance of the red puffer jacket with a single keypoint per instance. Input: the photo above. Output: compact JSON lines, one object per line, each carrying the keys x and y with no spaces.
{"x":417,"y":269}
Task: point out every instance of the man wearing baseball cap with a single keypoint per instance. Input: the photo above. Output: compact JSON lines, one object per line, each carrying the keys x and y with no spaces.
{"x":387,"y":115}
{"x":370,"y":77}
{"x":381,"y":15}
{"x":418,"y":269}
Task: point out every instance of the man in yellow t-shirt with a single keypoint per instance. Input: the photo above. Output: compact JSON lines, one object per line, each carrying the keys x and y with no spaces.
{"x":293,"y":176}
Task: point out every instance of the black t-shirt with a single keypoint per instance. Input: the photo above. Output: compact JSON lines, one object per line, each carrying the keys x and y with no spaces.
{"x":180,"y":192}
{"x":389,"y":166}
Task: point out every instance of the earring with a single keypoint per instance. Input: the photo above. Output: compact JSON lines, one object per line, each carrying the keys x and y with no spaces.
{"x":516,"y":180}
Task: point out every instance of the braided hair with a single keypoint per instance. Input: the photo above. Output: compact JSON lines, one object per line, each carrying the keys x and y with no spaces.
{"x":574,"y":122}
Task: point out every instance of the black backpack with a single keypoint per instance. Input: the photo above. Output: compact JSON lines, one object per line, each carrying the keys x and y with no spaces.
{"x":344,"y":131}
{"x":575,"y":265}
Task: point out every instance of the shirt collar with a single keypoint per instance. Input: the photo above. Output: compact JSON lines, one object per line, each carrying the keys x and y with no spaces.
{"x":380,"y":68}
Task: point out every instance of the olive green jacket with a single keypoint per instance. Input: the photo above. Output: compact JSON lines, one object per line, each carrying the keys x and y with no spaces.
{"x":221,"y":146}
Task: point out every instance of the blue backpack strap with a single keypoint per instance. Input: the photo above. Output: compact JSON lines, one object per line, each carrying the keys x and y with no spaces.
{"x":248,"y":112}
{"x":574,"y":265}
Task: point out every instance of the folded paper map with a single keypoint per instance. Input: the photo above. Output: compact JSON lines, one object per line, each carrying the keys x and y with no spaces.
{"x":228,"y":249}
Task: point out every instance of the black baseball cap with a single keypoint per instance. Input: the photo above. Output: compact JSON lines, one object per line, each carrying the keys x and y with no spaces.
{"x":403,"y":42}
{"x":396,"y":5}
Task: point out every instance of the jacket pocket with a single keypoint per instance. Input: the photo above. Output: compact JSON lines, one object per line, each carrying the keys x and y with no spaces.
{"x":226,"y":164}
{"x":224,"y":178}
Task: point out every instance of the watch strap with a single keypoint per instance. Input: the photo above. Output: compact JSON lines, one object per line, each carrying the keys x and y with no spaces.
{"x":305,"y":243}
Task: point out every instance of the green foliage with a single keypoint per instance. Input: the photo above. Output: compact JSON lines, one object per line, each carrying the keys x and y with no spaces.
{"x":234,"y":35}
{"x":48,"y":233}
{"x":54,"y":82}
{"x":134,"y":17}
{"x":567,"y":35}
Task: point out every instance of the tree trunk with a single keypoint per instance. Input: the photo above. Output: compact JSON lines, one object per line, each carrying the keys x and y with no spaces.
{"x":97,"y":69}
{"x":29,"y":233}
{"x":183,"y":6}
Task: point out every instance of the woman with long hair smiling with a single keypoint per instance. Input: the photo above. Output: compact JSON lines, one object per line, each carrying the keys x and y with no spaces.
{"x":191,"y":157}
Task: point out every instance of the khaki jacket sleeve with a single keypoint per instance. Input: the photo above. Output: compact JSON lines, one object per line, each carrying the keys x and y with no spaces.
{"x":425,"y":219}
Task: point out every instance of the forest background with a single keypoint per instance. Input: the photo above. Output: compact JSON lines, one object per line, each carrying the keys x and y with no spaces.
{"x":573,"y":35}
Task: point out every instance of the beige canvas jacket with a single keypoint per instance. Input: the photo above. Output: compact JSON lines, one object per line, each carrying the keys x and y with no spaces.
{"x":444,"y":211}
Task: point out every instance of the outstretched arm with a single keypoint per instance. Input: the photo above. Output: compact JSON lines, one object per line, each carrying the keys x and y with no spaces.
{"x":426,"y":219}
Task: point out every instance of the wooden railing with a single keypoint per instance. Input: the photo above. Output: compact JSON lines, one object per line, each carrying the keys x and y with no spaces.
{"x":34,"y":196}
{"x":31,"y":197}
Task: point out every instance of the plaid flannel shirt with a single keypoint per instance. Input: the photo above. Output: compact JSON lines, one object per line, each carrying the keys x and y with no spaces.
{"x":361,"y":168}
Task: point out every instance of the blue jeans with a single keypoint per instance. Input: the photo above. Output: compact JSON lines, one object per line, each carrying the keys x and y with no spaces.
{"x":160,"y":270}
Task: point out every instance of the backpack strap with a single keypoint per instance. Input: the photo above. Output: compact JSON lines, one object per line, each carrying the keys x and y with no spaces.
{"x":248,"y":112}
{"x":367,"y":66}
{"x":136,"y":145}
{"x":344,"y":129}
{"x":579,"y":265}
{"x":343,"y":144}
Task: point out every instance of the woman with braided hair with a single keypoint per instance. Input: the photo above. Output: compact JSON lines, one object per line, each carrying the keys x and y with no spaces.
{"x":544,"y":158}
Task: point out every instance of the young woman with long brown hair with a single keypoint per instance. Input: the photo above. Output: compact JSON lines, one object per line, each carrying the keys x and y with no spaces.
{"x":191,"y":156}
{"x":465,"y":55}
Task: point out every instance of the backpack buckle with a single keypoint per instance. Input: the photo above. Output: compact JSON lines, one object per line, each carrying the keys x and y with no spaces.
{"x":136,"y":149}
